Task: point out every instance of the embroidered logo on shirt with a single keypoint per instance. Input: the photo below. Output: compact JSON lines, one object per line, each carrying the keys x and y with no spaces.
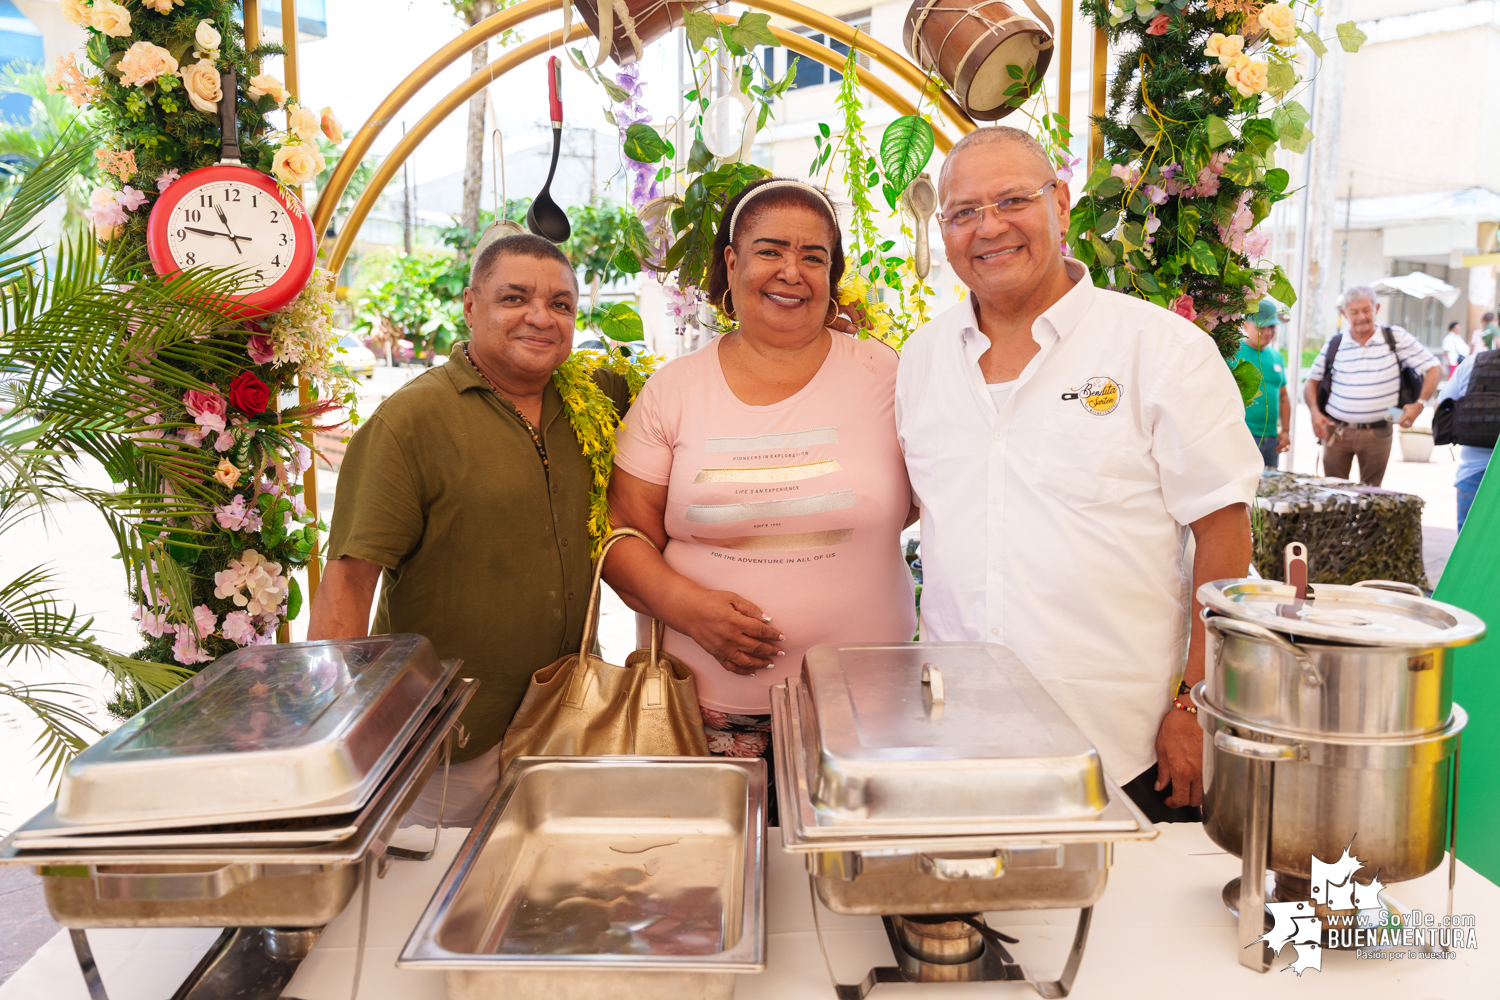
{"x":1099,"y":395}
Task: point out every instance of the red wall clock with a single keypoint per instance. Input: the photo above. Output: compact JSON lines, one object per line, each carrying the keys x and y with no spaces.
{"x":233,"y":216}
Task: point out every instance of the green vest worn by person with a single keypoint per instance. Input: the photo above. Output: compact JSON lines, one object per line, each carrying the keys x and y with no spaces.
{"x":485,"y":549}
{"x":1260,"y":415}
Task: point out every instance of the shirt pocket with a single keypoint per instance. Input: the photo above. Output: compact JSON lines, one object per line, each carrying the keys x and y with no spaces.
{"x":1079,"y":456}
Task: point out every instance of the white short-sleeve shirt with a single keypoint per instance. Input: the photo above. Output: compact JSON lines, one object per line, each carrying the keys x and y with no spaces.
{"x":1054,"y":524}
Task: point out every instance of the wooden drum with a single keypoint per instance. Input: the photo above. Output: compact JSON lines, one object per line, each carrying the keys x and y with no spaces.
{"x":970,"y":44}
{"x":635,"y":24}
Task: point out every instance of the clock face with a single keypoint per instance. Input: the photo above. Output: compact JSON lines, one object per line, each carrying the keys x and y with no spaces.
{"x":233,"y":224}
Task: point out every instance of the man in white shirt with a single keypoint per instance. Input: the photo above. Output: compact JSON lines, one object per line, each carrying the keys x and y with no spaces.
{"x":1353,"y":416}
{"x":1455,"y":346}
{"x":1062,"y":440}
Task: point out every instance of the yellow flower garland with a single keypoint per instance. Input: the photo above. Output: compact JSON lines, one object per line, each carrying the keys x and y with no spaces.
{"x":592,"y":415}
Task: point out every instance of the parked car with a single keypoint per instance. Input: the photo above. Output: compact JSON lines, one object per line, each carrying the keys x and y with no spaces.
{"x":355,"y":356}
{"x":403,"y":352}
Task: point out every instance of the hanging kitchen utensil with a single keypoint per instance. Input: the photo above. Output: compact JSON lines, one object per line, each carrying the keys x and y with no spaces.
{"x":920,"y":199}
{"x":1296,"y":568}
{"x":501,"y":226}
{"x":725,"y":122}
{"x":545,"y":217}
{"x":971,"y":45}
{"x":628,"y":26}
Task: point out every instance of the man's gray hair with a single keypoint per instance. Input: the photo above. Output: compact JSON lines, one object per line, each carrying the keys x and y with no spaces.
{"x":1356,"y":293}
{"x":995,"y":135}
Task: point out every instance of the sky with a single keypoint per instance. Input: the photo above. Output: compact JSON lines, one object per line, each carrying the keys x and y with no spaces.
{"x":373,"y":44}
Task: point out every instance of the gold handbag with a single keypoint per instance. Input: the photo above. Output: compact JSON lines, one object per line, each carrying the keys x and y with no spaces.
{"x":583,"y":705}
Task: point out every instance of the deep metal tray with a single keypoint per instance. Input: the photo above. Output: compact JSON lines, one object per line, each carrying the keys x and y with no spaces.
{"x":267,"y":732}
{"x":584,"y":865}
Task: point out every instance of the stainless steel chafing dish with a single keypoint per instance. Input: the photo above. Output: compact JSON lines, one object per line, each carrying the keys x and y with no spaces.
{"x":930,"y":782}
{"x":636,"y":878}
{"x":369,"y":719}
{"x":1329,"y":724}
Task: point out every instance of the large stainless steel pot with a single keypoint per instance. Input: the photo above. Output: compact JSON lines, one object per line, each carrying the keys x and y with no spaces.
{"x":1389,"y":797}
{"x":1353,"y":661}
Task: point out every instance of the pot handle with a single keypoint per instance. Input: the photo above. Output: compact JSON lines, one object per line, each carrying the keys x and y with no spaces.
{"x":133,"y":886}
{"x":1220,"y":624}
{"x":1405,"y":588}
{"x":1259,"y":751}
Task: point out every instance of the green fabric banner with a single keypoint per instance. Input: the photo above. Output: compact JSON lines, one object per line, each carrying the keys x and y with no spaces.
{"x":1472,"y":582}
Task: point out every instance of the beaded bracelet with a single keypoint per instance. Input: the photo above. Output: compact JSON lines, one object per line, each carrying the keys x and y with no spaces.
{"x":1190,"y":709}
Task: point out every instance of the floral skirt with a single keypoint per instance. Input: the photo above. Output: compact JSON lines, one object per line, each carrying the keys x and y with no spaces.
{"x":731,"y":735}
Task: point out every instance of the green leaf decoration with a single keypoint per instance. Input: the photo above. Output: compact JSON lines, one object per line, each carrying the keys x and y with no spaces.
{"x":627,"y":262}
{"x":293,"y":598}
{"x":752,"y":30}
{"x":1147,"y":283}
{"x":905,"y":149}
{"x":1099,"y":175}
{"x":1260,"y":134}
{"x":1350,"y":37}
{"x":699,"y":159}
{"x":1241,"y":169}
{"x":1247,"y":377}
{"x":1133,"y":235}
{"x":700,"y":27}
{"x":1280,"y":78}
{"x":1146,"y":128}
{"x":623,"y":324}
{"x":1281,"y":289}
{"x":1314,"y":42}
{"x":1201,"y":258}
{"x":1298,"y":143}
{"x":1103,"y":254}
{"x":1106,"y":223}
{"x":747,"y":73}
{"x":98,"y":50}
{"x":1277,"y":180}
{"x":1188,"y":219}
{"x":1218,"y":132}
{"x":1110,"y":187}
{"x":644,"y":145}
{"x":614,"y":90}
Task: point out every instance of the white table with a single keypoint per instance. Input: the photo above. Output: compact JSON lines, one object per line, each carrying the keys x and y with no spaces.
{"x":1160,"y":932}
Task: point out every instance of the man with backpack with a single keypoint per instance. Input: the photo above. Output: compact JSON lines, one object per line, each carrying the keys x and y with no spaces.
{"x":1361,"y":381}
{"x":1469,"y":416}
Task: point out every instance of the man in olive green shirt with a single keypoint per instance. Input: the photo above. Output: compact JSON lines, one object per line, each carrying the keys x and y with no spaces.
{"x":467,"y":493}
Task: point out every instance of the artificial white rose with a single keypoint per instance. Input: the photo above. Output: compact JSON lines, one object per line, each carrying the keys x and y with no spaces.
{"x":74,"y":12}
{"x":110,"y":18}
{"x":201,"y":81}
{"x":297,"y":164}
{"x":267,"y":84}
{"x":303,"y":123}
{"x":207,"y":36}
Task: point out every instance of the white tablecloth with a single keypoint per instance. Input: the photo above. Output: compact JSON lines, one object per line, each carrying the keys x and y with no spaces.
{"x":1159,"y":932}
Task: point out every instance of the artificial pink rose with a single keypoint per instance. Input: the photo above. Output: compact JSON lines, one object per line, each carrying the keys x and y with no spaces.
{"x":1184,"y":307}
{"x":331,"y":126}
{"x":260,"y":349}
{"x":1159,"y":25}
{"x":209,"y":409}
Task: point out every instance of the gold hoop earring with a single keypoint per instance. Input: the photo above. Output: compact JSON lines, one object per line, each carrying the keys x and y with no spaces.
{"x":726,"y":304}
{"x":833,"y":312}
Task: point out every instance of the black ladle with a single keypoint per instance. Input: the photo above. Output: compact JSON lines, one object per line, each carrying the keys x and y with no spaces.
{"x":544,"y":217}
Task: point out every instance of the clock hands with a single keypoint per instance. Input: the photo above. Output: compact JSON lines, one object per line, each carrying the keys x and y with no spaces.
{"x":210,"y":232}
{"x":227,"y":231}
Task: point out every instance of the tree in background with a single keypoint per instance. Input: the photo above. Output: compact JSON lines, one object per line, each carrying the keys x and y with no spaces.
{"x":472,"y":12}
{"x":54,"y":122}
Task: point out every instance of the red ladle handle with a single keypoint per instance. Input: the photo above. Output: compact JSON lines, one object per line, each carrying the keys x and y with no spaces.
{"x":554,"y":89}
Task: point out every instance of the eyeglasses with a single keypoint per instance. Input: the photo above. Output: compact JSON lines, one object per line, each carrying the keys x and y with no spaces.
{"x":963,"y":219}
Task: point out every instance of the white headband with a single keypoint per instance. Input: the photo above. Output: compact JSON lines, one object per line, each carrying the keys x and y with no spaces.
{"x":735,"y":218}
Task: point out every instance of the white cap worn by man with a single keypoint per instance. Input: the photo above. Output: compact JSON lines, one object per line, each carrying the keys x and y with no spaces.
{"x":1062,"y":440}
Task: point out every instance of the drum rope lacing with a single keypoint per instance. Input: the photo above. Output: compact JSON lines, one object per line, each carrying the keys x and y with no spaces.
{"x":930,"y":63}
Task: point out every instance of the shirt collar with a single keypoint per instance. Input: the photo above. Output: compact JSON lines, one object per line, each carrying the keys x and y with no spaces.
{"x":466,"y":377}
{"x":1062,"y":317}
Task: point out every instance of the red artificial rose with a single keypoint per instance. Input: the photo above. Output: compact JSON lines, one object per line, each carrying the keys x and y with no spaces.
{"x":248,"y":393}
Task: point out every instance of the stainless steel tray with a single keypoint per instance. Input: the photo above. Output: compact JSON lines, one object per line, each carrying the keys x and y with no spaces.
{"x":616,"y":865}
{"x":393,"y":797}
{"x":1358,"y":615}
{"x":806,"y":829}
{"x":267,"y":732}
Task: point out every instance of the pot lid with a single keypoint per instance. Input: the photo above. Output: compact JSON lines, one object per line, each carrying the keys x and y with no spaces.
{"x":939,"y":736}
{"x":1365,"y":614}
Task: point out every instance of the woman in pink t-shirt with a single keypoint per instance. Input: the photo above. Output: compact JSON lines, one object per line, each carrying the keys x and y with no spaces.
{"x":765,"y":465}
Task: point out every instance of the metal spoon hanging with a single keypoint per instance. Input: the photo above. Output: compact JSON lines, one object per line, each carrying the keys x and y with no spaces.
{"x":545,"y":218}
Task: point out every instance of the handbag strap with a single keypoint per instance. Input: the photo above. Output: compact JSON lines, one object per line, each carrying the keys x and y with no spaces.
{"x":591,"y":621}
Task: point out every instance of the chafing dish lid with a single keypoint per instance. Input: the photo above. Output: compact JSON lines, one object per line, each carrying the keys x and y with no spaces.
{"x":301,"y":729}
{"x":939,"y":732}
{"x":1361,"y":615}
